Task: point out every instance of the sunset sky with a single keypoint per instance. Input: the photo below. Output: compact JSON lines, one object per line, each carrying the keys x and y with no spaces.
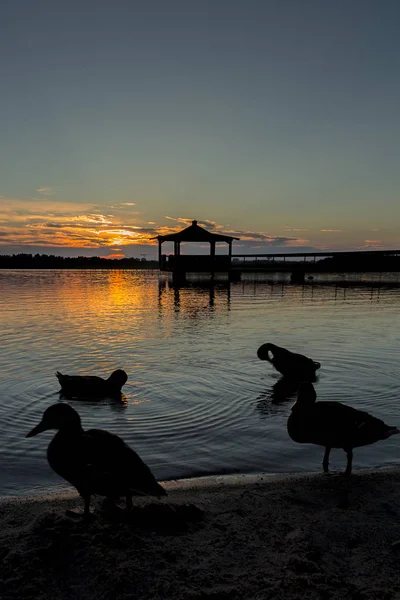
{"x":276,"y":121}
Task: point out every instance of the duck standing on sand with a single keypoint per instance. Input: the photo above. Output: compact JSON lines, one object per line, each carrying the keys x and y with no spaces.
{"x":333,"y":425}
{"x":90,"y":386}
{"x":291,"y":365}
{"x":94,"y":461}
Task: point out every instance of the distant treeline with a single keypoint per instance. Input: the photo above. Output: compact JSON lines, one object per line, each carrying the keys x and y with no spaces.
{"x":45,"y":261}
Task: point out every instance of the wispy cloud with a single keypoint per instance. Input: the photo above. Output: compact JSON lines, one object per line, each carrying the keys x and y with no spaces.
{"x":49,"y":224}
{"x":32,"y":223}
{"x":372,"y":244}
{"x":128,"y":203}
{"x":47,"y":190}
{"x":288,"y":228}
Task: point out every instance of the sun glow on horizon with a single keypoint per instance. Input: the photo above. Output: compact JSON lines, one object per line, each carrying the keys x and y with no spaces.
{"x":49,"y":224}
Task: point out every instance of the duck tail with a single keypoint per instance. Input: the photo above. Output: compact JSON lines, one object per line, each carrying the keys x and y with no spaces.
{"x":391,"y":431}
{"x":161,"y":491}
{"x":59,"y":375}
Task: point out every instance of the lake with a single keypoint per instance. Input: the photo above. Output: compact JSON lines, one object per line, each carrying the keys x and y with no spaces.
{"x":198,"y":400}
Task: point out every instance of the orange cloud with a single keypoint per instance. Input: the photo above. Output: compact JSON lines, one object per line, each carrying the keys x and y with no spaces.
{"x":51,"y":223}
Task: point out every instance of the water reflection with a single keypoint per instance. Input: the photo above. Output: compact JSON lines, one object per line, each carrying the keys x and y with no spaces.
{"x":283,"y":389}
{"x":194,"y":298}
{"x":197,"y":398}
{"x":116,"y":404}
{"x":267,"y":405}
{"x":314,"y":289}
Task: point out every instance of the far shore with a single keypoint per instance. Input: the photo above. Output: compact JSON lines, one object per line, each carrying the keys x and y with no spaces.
{"x":291,"y":537}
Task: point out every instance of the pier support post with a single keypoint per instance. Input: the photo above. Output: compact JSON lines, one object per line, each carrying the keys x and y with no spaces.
{"x":298,"y":276}
{"x":234,"y":275}
{"x":178,"y":277}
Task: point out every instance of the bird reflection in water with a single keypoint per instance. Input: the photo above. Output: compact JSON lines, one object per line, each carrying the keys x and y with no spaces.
{"x":116,"y":404}
{"x":119,"y":404}
{"x":284,"y":389}
{"x":267,"y":407}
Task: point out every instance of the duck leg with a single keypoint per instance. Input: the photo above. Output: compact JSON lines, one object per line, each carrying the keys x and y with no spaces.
{"x":86,"y":507}
{"x":349,"y":462}
{"x":325,"y":462}
{"x":78,"y":512}
{"x":129,"y":503}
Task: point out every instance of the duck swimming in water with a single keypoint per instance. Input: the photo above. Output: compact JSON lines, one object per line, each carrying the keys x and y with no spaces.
{"x":90,"y":386}
{"x":291,"y":365}
{"x":333,"y":425}
{"x":94,"y":461}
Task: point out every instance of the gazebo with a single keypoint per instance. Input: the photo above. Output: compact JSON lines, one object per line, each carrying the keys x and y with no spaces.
{"x":185,"y":263}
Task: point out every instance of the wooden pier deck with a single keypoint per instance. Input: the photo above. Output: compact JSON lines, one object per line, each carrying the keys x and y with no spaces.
{"x":319,"y":261}
{"x":299,"y":264}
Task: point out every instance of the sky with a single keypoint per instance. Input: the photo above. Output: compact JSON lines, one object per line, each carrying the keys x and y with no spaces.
{"x":276,"y":121}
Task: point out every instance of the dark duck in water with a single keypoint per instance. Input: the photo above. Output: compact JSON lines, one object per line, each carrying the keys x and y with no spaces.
{"x":90,"y":386}
{"x":333,"y":425}
{"x":292,"y":366}
{"x":94,"y":461}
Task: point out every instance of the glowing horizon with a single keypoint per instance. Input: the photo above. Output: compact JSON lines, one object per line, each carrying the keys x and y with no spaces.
{"x":277,"y":125}
{"x":66,"y":226}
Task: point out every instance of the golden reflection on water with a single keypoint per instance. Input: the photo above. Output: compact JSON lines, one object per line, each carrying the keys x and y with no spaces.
{"x":197,"y":399}
{"x":102,"y":292}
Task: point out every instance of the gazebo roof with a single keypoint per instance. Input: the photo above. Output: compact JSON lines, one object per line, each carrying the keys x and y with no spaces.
{"x":195,"y":233}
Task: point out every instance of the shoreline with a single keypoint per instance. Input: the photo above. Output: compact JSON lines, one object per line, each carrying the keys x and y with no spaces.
{"x":260,"y":536}
{"x":199,"y":482}
{"x":183,"y":483}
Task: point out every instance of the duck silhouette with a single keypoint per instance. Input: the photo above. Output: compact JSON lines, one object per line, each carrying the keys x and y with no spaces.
{"x":94,"y":461}
{"x":333,"y":425}
{"x":90,"y":386}
{"x":291,"y":365}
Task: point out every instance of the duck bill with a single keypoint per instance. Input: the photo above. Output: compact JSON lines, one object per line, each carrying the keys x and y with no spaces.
{"x":38,"y":429}
{"x":263,"y":352}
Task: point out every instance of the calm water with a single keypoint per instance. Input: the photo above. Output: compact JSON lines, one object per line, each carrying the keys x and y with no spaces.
{"x":198,"y":401}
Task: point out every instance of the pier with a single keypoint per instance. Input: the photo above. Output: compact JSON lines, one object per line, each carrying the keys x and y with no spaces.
{"x":297,"y":263}
{"x":300,"y":263}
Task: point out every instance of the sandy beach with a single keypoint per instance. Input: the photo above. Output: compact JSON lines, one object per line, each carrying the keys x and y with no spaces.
{"x":253,"y":537}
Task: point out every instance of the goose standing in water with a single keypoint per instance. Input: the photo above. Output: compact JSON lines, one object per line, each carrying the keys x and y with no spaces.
{"x":94,"y":461}
{"x":291,"y":365}
{"x":90,"y":386}
{"x":333,"y":425}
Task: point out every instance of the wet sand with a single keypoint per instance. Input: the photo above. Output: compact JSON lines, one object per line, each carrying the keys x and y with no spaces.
{"x":282,"y":537}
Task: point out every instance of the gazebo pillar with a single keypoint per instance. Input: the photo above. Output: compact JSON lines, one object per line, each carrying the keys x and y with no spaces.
{"x":212,"y":249}
{"x":230,"y":248}
{"x":159,"y":252}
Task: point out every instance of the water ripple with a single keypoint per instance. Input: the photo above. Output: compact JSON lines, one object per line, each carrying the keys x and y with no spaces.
{"x":197,"y":399}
